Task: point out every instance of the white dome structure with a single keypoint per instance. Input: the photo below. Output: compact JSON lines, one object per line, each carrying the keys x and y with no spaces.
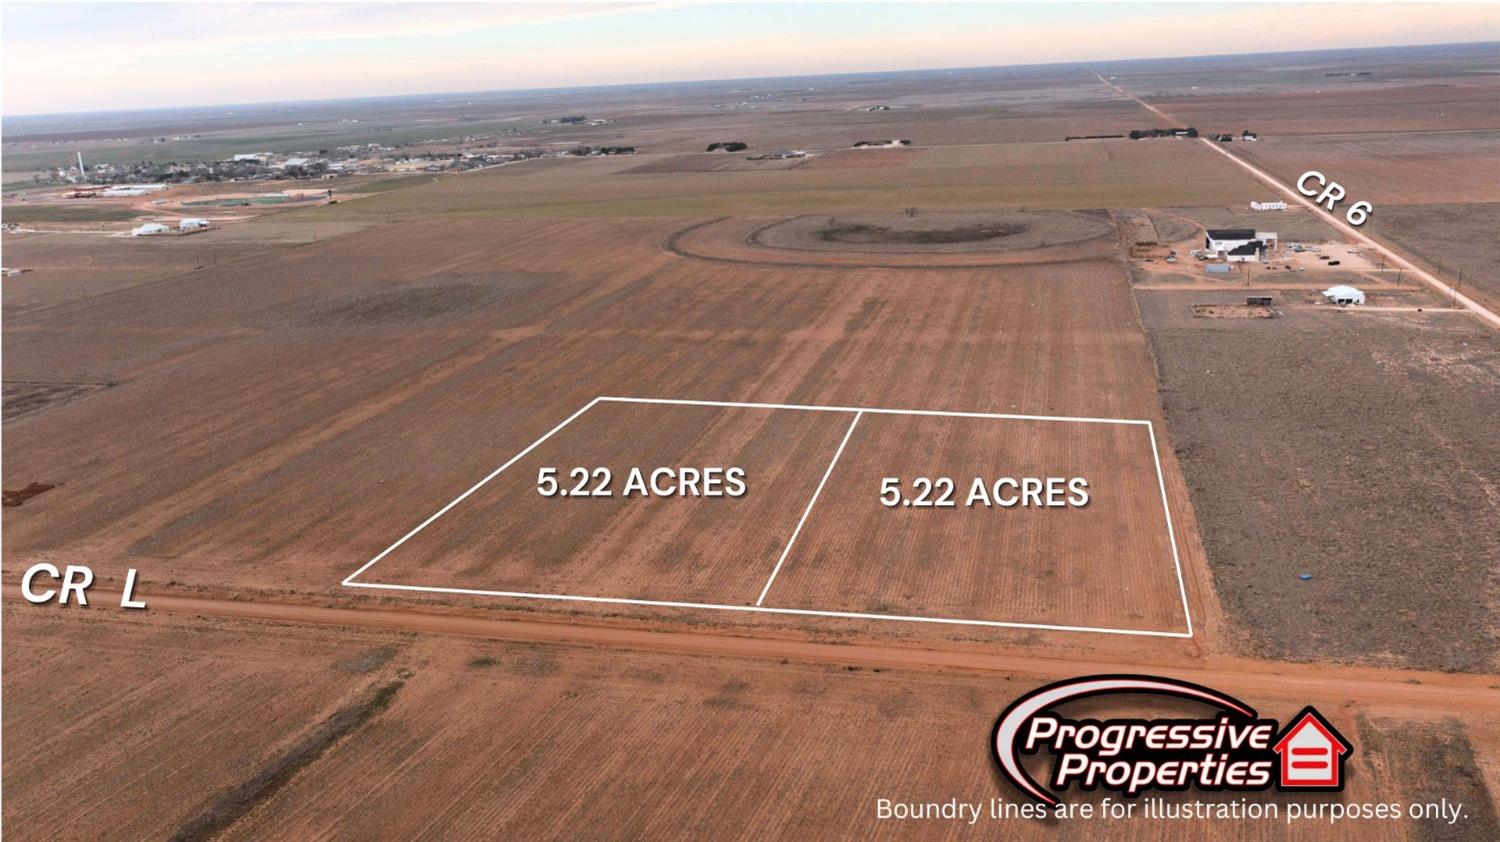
{"x":1344,"y":295}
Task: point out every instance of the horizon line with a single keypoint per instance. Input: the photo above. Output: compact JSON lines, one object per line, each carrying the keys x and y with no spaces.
{"x":1083,"y":63}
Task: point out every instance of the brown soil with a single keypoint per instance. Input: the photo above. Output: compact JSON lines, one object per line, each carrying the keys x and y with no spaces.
{"x":263,"y":784}
{"x":1233,"y":311}
{"x":1307,"y":441}
{"x":282,"y":414}
{"x":385,"y":358}
{"x":494,"y":734}
{"x":1451,"y":240}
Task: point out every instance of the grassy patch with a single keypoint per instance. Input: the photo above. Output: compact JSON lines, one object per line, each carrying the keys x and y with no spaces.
{"x":394,"y":183}
{"x":61,"y":213}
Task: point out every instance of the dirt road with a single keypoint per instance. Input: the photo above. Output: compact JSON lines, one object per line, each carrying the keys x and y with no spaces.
{"x":1260,"y":679}
{"x":1485,"y":314}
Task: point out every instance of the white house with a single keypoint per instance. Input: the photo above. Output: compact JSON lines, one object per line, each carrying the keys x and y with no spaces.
{"x":1343,"y":295}
{"x":148,"y":229}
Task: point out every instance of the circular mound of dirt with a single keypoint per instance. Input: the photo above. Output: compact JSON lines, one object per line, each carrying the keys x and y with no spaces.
{"x":932,"y":232}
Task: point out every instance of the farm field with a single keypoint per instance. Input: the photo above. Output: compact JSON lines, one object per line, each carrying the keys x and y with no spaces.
{"x":422,"y":380}
{"x":64,"y":268}
{"x":1449,"y":238}
{"x":1390,"y":168}
{"x":208,"y":702}
{"x":504,"y":736}
{"x":637,"y":542}
{"x":321,"y":435}
{"x":1459,"y":103}
{"x":1059,"y":176}
{"x":1108,"y":563}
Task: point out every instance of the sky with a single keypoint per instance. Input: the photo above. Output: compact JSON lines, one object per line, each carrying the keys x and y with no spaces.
{"x":70,"y":57}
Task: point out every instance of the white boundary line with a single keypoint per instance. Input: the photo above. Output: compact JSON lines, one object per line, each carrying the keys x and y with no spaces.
{"x":876,"y":410}
{"x":349,"y":580}
{"x":1161,"y":481}
{"x":806,"y":612}
{"x":761,"y":609}
{"x":807,"y":511}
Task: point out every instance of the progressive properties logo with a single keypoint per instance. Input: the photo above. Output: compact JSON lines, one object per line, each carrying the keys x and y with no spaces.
{"x":1230,"y":749}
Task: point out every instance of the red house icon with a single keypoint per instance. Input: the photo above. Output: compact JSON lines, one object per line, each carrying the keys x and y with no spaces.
{"x":1312,"y":753}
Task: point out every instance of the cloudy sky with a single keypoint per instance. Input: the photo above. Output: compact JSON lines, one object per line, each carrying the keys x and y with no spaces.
{"x":86,"y":57}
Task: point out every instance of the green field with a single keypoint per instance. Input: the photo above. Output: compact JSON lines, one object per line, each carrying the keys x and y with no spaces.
{"x":1039,"y":176}
{"x":64,"y":213}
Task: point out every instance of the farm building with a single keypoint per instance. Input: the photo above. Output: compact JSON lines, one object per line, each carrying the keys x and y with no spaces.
{"x":1247,"y":253}
{"x":1343,"y":295}
{"x":1239,"y":244}
{"x":133,"y":189}
{"x":149,"y":229}
{"x":193,"y":224}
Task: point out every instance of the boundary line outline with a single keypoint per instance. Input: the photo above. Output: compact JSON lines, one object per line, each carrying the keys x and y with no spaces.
{"x":807,"y":511}
{"x":758,"y":608}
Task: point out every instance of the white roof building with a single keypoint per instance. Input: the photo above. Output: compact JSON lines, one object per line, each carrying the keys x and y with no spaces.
{"x":1344,"y":295}
{"x":133,"y":189}
{"x":192,"y":224}
{"x":148,"y":229}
